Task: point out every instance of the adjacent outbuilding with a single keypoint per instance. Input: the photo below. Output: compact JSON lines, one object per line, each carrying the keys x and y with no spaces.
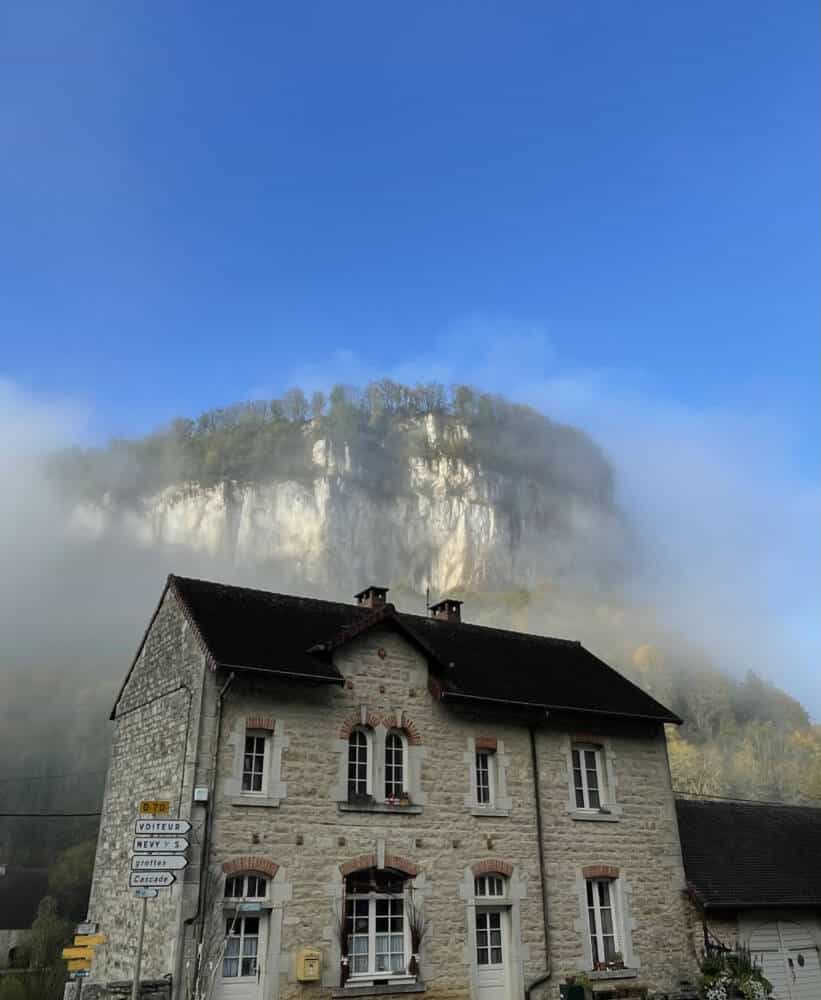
{"x":754,"y":874}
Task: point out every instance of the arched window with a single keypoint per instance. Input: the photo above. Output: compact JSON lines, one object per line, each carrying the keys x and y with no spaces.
{"x":359,"y":764}
{"x":377,"y":931}
{"x":490,"y":886}
{"x":243,"y":921}
{"x":395,"y":779}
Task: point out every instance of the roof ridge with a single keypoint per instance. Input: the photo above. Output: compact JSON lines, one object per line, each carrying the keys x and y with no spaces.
{"x":260,"y":590}
{"x":492,"y":628}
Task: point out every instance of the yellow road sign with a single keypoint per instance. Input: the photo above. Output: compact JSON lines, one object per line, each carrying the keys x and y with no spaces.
{"x":87,"y":953}
{"x":91,"y":940}
{"x":78,"y":964}
{"x":154,"y":807}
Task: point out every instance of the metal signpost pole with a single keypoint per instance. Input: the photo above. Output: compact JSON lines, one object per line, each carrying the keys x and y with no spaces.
{"x":135,"y":986}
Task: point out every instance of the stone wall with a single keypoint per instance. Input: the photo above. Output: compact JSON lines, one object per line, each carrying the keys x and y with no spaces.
{"x":153,"y":756}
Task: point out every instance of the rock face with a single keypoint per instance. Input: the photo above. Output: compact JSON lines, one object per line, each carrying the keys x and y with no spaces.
{"x":449,"y":524}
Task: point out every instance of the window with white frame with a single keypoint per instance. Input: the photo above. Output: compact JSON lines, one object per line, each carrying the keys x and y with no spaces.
{"x":377,"y":932}
{"x":359,"y":764}
{"x":602,"y":919}
{"x":588,"y":777}
{"x":485,"y":777}
{"x":239,"y":960}
{"x":254,"y":762}
{"x":246,"y":887}
{"x":394,"y":765}
{"x":488,"y":886}
{"x":240,"y":957}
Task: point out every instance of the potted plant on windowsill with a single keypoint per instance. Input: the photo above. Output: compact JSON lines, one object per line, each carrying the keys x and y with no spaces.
{"x":404,"y":799}
{"x":418,"y":928}
{"x":342,"y":938}
{"x":616,"y":962}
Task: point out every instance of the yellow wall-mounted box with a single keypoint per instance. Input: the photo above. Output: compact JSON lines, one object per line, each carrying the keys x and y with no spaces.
{"x":307,"y":965}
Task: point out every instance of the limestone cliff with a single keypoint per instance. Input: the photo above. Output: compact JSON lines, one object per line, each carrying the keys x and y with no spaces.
{"x":445,"y":522}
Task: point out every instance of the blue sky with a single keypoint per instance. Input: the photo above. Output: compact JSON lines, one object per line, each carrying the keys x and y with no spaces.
{"x":609,"y":210}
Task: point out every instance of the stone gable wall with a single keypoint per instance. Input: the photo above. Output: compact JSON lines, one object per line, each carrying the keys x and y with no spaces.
{"x":153,"y":756}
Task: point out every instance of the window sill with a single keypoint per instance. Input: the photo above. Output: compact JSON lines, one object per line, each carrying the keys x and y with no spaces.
{"x":613,"y":974}
{"x":369,"y":989}
{"x":488,"y":811}
{"x":378,"y":807}
{"x":593,"y":816}
{"x":260,"y":801}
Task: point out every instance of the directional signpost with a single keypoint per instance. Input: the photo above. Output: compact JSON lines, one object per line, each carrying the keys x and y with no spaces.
{"x":79,"y":955}
{"x":157,"y":852}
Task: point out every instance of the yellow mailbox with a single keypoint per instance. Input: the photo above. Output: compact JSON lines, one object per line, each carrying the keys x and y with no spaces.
{"x":307,"y":965}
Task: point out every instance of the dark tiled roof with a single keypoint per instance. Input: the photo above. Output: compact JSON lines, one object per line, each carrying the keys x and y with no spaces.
{"x":751,"y":854}
{"x":21,"y":890}
{"x":282,"y":634}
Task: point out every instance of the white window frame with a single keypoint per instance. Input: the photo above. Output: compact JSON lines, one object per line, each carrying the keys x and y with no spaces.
{"x":265,"y":736}
{"x":403,"y":746}
{"x":601,"y":777}
{"x":490,"y":887}
{"x":364,"y":977}
{"x":596,"y":933}
{"x":368,"y":734}
{"x":490,"y":756}
{"x":245,"y":886}
{"x":234,"y":922}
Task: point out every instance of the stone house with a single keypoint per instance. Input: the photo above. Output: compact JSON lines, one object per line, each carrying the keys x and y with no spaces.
{"x":355,"y":775}
{"x":754,"y":876}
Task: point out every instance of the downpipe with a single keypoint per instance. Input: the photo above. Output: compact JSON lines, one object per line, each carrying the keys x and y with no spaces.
{"x":537,"y":800}
{"x":199,"y":913}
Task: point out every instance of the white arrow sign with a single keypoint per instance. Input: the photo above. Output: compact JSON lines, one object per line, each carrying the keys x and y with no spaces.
{"x":143,"y":893}
{"x":158,"y":862}
{"x":162,"y":827}
{"x":156,"y":880}
{"x":170,"y":845}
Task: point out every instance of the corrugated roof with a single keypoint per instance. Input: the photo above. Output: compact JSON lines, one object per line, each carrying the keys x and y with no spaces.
{"x":283,"y":634}
{"x":751,"y":854}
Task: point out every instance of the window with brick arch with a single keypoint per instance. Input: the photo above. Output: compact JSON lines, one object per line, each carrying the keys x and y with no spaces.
{"x":485,"y":777}
{"x":602,"y":919}
{"x":588,"y":777}
{"x":241,"y":955}
{"x":359,"y":763}
{"x":395,"y":765}
{"x":376,"y":928}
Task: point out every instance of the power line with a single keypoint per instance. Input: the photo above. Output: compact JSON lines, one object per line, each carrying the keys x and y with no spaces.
{"x":48,"y":815}
{"x":52,"y":777}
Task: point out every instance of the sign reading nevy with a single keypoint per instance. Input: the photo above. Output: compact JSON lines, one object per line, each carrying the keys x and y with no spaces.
{"x":172,"y":845}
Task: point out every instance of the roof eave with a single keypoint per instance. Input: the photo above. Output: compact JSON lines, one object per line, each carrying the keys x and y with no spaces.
{"x":459,"y":695}
{"x":338,"y":680}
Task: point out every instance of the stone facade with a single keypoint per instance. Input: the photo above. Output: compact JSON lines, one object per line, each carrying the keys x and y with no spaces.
{"x":302,"y":831}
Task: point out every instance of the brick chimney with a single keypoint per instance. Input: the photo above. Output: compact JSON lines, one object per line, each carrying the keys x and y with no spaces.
{"x":447,"y":610}
{"x":372,"y":597}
